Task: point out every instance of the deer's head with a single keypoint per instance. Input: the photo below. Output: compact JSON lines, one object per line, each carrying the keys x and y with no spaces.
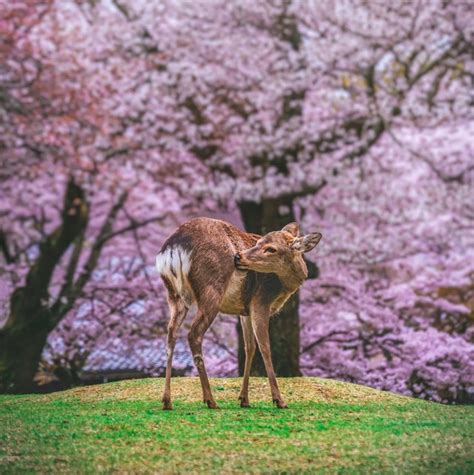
{"x":280,"y":252}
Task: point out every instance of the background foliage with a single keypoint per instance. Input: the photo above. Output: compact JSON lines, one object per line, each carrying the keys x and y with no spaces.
{"x":121,"y":119}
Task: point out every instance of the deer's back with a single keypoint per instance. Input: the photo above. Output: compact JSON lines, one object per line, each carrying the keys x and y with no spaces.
{"x":200,"y":255}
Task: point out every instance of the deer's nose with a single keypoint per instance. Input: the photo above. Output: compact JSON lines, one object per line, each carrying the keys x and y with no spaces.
{"x":237,"y":259}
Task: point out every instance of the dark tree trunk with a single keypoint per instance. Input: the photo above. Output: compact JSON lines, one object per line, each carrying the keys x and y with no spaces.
{"x":261,"y":218}
{"x":21,"y":353}
{"x":30,"y":320}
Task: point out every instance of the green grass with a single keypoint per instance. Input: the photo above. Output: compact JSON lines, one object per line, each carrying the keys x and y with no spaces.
{"x":330,"y":427}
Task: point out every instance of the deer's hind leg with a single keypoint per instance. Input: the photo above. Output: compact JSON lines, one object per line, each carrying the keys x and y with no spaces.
{"x":178,"y":311}
{"x":249,"y":345}
{"x":208,"y":307}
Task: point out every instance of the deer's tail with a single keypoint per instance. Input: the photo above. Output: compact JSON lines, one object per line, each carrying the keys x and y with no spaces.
{"x":174,"y":263}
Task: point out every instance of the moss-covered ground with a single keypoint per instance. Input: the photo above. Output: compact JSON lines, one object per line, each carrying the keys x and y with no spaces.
{"x":330,"y":427}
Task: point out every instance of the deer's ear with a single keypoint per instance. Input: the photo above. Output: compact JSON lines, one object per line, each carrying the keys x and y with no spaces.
{"x":293,"y":229}
{"x":306,"y":243}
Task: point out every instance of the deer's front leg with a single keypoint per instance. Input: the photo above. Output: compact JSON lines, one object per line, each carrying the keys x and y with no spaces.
{"x":249,"y":345}
{"x":260,"y":317}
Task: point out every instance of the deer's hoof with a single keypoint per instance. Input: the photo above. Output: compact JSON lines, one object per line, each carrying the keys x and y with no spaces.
{"x":244,"y":402}
{"x":280,"y":404}
{"x":212,"y":404}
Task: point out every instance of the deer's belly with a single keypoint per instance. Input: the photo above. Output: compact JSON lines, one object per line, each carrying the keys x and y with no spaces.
{"x":232,"y":301}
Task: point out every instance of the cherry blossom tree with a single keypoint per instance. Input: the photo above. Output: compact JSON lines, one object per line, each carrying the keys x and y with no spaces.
{"x":353,"y":118}
{"x":71,"y":210}
{"x":279,"y":99}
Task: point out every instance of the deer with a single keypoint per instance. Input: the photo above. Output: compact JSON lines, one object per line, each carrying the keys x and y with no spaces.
{"x":219,"y":268}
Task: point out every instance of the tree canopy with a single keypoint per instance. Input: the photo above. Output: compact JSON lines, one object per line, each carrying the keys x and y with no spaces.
{"x":120,"y":119}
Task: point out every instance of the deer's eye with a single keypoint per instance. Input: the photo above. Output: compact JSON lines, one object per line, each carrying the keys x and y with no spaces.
{"x":270,"y":250}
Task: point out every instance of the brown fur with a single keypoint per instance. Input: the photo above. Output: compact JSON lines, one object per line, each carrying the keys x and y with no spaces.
{"x":255,"y":287}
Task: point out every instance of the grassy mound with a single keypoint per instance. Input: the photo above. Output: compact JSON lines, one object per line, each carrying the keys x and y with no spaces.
{"x":330,"y":427}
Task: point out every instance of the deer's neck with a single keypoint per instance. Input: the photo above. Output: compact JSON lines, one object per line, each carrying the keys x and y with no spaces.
{"x":290,"y":281}
{"x":295,"y":276}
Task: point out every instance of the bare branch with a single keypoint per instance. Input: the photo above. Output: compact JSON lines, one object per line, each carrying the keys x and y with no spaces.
{"x":60,"y":308}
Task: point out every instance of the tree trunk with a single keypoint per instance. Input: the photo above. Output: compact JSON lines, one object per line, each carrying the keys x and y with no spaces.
{"x":261,"y":218}
{"x":30,"y":320}
{"x":21,"y":353}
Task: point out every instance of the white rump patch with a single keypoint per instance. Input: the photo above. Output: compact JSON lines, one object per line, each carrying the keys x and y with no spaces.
{"x":174,"y":263}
